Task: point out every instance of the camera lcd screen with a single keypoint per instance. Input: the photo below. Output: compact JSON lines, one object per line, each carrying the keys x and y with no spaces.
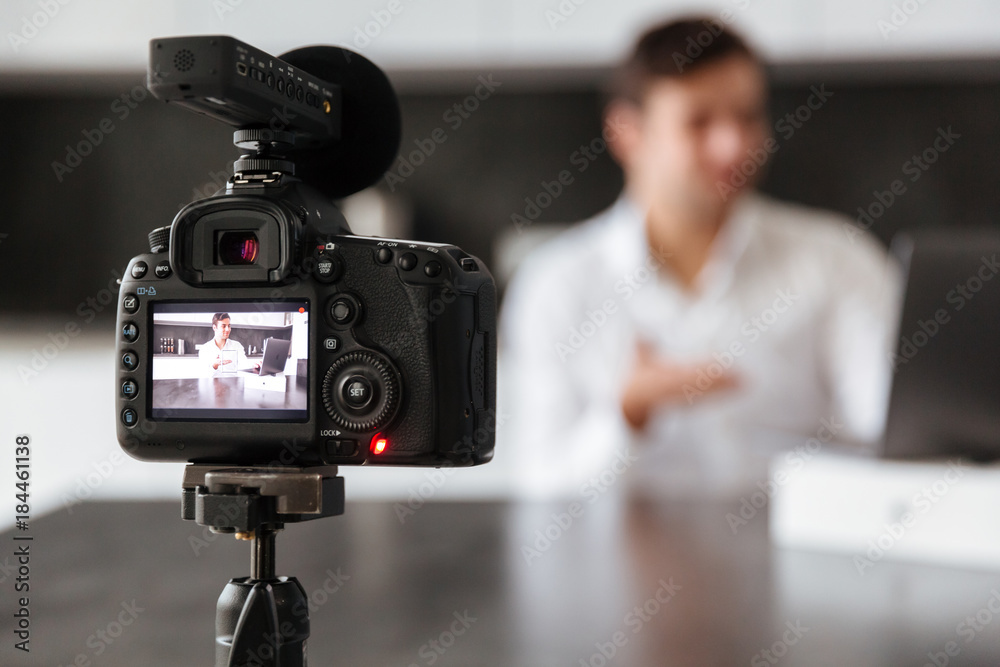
{"x":230,"y":361}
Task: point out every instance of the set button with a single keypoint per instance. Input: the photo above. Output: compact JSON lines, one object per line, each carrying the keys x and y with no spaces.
{"x":357,"y":392}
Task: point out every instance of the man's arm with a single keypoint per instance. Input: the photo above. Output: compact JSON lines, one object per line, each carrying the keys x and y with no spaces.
{"x":656,"y":382}
{"x":209,"y":355}
{"x":562,"y":417}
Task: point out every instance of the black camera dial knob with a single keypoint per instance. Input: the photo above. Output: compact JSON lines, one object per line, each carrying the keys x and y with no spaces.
{"x":361,"y":391}
{"x":159,"y":239}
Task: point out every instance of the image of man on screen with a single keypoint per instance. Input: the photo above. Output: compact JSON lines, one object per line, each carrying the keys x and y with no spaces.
{"x":221,"y":354}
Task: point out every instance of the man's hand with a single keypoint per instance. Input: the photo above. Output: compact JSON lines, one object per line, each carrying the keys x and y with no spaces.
{"x":656,"y":381}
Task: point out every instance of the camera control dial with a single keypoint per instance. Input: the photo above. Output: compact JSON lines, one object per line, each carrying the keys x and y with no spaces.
{"x":361,"y":391}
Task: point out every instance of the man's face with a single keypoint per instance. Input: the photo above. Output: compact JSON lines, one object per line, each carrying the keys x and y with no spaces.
{"x":691,"y":135}
{"x":222,"y":330}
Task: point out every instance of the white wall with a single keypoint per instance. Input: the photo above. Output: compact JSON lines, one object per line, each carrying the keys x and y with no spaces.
{"x":113,"y":34}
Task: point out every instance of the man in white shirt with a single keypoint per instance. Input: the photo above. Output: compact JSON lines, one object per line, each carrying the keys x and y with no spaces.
{"x":221,"y":355}
{"x":696,"y":323}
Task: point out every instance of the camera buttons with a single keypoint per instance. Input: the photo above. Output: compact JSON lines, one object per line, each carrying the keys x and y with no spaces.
{"x":360,"y":391}
{"x":343,"y":311}
{"x":139,"y":270}
{"x":129,"y":417}
{"x":129,"y":389}
{"x":280,"y":85}
{"x":328,"y":269}
{"x":130,"y":332}
{"x":130,"y":361}
{"x":130,"y":303}
{"x":162,"y":269}
{"x":408,"y":261}
{"x":331,"y":344}
{"x":383,"y":255}
{"x":432,"y":269}
{"x":357,"y":391}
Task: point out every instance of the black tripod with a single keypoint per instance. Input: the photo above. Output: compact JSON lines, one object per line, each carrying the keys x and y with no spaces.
{"x":261,"y":620}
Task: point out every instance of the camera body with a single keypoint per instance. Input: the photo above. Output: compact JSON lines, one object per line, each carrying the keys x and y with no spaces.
{"x":260,"y":332}
{"x":392,"y":356}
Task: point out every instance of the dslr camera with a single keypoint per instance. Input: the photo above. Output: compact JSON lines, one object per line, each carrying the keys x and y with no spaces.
{"x":258,"y":330}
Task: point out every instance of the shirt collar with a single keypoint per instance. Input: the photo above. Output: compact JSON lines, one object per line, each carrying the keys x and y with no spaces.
{"x":632,"y":247}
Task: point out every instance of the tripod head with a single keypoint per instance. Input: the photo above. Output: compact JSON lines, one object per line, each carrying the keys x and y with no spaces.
{"x":262,"y":619}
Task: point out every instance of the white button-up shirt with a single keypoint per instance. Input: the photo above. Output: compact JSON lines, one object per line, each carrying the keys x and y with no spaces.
{"x":798,"y":303}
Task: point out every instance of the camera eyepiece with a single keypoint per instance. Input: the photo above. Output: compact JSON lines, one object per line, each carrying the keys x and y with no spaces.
{"x":237,"y":247}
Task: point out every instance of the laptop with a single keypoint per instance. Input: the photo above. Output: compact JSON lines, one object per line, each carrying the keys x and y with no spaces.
{"x":945,"y":399}
{"x":275,"y":356}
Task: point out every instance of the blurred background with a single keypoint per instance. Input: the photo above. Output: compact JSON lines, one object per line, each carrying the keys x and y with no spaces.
{"x":896,"y":72}
{"x":72,"y":74}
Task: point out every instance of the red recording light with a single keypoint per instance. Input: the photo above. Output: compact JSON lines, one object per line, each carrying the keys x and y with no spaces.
{"x":302,"y":310}
{"x":379,"y":444}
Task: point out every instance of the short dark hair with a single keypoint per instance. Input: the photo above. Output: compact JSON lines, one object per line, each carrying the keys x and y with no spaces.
{"x":675,"y":49}
{"x":219,"y":316}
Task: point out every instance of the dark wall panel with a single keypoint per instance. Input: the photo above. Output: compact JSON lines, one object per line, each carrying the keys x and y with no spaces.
{"x":66,"y":240}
